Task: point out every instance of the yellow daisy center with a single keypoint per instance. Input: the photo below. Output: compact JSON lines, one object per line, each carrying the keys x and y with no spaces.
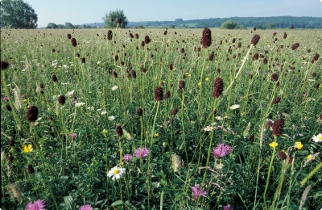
{"x":116,"y":171}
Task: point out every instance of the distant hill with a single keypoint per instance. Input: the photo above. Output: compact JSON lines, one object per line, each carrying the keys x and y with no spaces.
{"x":243,"y":22}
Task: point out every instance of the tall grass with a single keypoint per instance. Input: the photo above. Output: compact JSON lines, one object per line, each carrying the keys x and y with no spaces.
{"x":118,"y":77}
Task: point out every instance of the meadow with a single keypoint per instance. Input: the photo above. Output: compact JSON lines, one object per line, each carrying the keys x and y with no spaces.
{"x":161,"y":119}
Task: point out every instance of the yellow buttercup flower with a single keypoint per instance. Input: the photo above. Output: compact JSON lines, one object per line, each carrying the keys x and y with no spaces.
{"x":273,"y":144}
{"x":309,"y":157}
{"x":207,"y":79}
{"x":156,"y":135}
{"x":298,"y":145}
{"x":27,"y":148}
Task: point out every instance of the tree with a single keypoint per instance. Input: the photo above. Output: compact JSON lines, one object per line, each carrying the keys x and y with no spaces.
{"x":229,"y":24}
{"x":69,"y":25}
{"x":17,"y":14}
{"x":115,"y":19}
{"x":52,"y":25}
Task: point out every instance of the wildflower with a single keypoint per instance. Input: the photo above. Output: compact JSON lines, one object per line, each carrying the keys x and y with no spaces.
{"x":219,"y":118}
{"x":276,"y":100}
{"x":79,"y":104}
{"x":197,"y":192}
{"x":115,"y":87}
{"x":116,"y":172}
{"x":274,"y":77}
{"x":206,"y":38}
{"x":273,"y":144}
{"x":156,"y":135}
{"x":5,"y":98}
{"x":103,"y":112}
{"x":61,"y":100}
{"x":111,"y":118}
{"x":218,"y":87}
{"x":147,"y":39}
{"x":127,"y":157}
{"x":141,"y":152}
{"x":298,"y":145}
{"x":109,"y":35}
{"x":70,"y":93}
{"x":139,"y":111}
{"x":175,"y":162}
{"x":278,"y":126}
{"x":32,"y":113}
{"x":221,"y":150}
{"x":209,"y":128}
{"x":54,"y":78}
{"x":309,"y":157}
{"x":85,"y":207}
{"x":281,"y":154}
{"x":27,"y":148}
{"x":36,"y":205}
{"x":4,"y":65}
{"x":228,"y":207}
{"x":175,"y":111}
{"x":104,"y":131}
{"x":74,"y":42}
{"x":317,"y":138}
{"x":295,"y":46}
{"x":181,"y":84}
{"x":235,"y":106}
{"x":255,"y":39}
{"x":8,"y":107}
{"x":73,"y":135}
{"x":30,"y":169}
{"x":207,"y":79}
{"x":119,"y":130}
{"x":158,"y":93}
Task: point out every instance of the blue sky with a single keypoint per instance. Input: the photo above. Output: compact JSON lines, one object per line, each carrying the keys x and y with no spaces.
{"x":91,"y":11}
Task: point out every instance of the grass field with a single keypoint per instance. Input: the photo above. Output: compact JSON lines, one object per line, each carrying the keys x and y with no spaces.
{"x":151,"y":119}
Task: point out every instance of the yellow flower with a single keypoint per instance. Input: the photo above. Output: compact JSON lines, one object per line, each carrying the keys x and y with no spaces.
{"x":24,"y":100}
{"x":104,"y":132}
{"x":309,"y":157}
{"x":273,"y":144}
{"x":188,"y":75}
{"x":298,"y":145}
{"x":156,"y":135}
{"x":207,"y":79}
{"x":199,"y":83}
{"x":27,"y":148}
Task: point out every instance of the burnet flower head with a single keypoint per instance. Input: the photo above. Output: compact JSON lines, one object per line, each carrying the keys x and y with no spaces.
{"x":36,"y":205}
{"x":116,"y":172}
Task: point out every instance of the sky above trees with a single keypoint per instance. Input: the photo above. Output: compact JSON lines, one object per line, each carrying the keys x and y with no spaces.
{"x":84,"y":11}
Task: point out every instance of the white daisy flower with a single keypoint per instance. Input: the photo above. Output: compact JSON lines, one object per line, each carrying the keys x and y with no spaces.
{"x":111,"y":118}
{"x":70,"y":93}
{"x":317,"y":138}
{"x":116,"y":172}
{"x":79,"y":104}
{"x":209,"y":128}
{"x":114,"y":87}
{"x":219,"y":118}
{"x":235,"y":106}
{"x":103,"y":112}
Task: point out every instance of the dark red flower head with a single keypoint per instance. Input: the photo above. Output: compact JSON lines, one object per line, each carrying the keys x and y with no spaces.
{"x":206,"y":38}
{"x":4,"y":65}
{"x":32,"y":113}
{"x":74,"y":42}
{"x":158,"y":93}
{"x":255,"y":39}
{"x":278,"y":126}
{"x":119,"y":130}
{"x":295,"y":46}
{"x":218,"y":87}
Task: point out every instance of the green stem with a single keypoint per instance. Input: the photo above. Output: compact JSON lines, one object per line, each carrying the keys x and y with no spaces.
{"x":269,"y":171}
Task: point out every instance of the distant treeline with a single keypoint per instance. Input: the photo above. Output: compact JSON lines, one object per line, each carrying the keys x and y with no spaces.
{"x":242,"y":22}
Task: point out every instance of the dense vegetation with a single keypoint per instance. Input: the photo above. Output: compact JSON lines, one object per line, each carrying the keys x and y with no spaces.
{"x":155,"y":119}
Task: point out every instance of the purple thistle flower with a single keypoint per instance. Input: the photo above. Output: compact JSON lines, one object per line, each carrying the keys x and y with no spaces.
{"x":85,"y":207}
{"x":197,"y":192}
{"x":228,"y":207}
{"x":36,"y":205}
{"x":221,"y":150}
{"x":6,"y":98}
{"x":127,"y":158}
{"x":141,"y":152}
